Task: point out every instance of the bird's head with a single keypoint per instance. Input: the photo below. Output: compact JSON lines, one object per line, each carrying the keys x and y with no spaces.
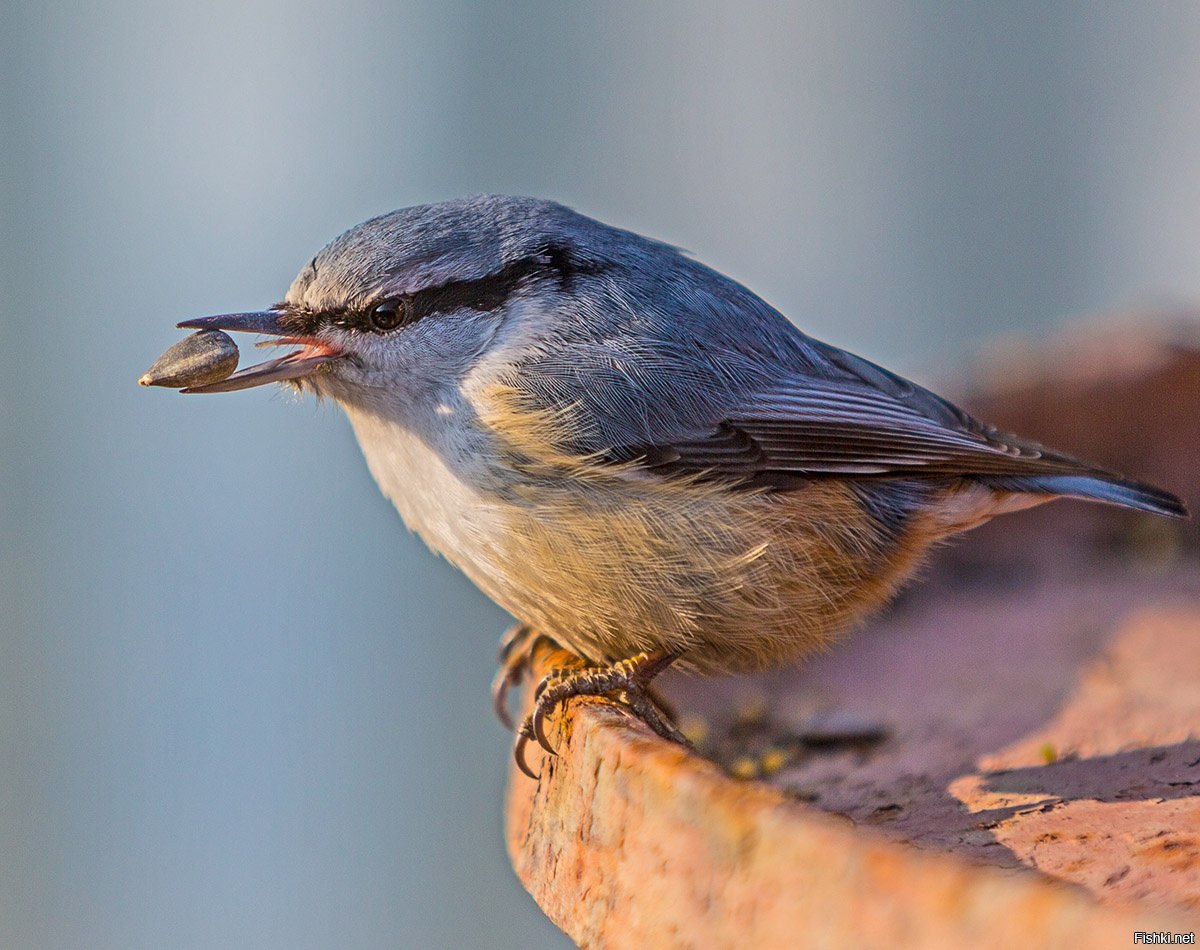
{"x":413,"y":298}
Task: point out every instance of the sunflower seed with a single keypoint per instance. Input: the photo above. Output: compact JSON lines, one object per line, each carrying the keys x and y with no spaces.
{"x":205,"y":357}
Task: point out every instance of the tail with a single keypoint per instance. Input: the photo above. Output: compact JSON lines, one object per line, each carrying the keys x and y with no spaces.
{"x":1098,"y":486}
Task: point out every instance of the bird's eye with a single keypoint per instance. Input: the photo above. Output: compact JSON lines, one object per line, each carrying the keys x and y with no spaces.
{"x":387,"y":315}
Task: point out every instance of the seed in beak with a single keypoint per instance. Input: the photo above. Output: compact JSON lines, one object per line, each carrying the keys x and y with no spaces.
{"x":203,"y":358}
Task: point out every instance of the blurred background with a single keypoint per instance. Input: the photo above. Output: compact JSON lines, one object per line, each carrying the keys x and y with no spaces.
{"x":239,"y":705}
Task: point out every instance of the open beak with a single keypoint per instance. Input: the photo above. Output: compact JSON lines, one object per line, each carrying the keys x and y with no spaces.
{"x":313,"y":352}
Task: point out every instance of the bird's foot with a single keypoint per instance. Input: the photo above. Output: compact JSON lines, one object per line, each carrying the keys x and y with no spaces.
{"x":516,"y":659}
{"x":629,"y":680}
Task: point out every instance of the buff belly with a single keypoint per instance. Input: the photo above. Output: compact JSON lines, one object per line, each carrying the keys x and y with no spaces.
{"x":732,"y":580}
{"x":610,"y":564}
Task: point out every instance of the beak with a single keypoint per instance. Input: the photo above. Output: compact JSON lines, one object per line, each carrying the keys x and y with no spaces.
{"x":313,"y":352}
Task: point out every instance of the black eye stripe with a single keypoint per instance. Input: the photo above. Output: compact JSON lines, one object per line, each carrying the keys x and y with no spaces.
{"x":488,"y":294}
{"x":484,"y":295}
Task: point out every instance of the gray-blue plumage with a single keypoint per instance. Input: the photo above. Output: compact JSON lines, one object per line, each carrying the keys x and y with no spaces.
{"x":672,"y":364}
{"x":633,"y":454}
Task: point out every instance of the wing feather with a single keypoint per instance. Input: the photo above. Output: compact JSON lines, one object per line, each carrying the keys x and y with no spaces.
{"x":814,"y":426}
{"x":665,"y":366}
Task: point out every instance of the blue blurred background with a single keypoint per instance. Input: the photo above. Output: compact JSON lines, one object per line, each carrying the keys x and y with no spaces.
{"x":239,"y":705}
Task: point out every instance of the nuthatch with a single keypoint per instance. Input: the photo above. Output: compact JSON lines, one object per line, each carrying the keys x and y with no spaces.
{"x":634,"y":455}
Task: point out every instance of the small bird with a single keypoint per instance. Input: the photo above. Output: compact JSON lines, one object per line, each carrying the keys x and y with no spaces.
{"x":634,"y":455}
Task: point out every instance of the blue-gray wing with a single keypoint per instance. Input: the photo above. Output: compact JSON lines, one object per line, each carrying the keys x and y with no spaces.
{"x":767,"y":415}
{"x":666,"y":365}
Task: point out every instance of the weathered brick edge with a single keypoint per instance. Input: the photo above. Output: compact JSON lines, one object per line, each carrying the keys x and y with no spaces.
{"x":630,"y":841}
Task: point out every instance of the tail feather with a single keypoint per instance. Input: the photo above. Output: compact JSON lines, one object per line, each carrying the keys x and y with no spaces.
{"x":1099,"y":486}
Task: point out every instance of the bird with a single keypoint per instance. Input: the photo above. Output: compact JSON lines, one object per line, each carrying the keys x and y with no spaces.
{"x":637,"y":457}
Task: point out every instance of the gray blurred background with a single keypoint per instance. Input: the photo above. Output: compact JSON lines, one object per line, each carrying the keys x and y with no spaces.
{"x":239,"y":705}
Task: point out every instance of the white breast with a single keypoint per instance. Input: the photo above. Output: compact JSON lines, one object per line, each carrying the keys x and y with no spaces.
{"x":433,"y":489}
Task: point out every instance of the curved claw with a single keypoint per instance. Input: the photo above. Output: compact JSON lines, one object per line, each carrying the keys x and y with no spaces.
{"x":519,"y":755}
{"x":514,"y":656}
{"x":538,"y":720}
{"x":506,"y":678}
